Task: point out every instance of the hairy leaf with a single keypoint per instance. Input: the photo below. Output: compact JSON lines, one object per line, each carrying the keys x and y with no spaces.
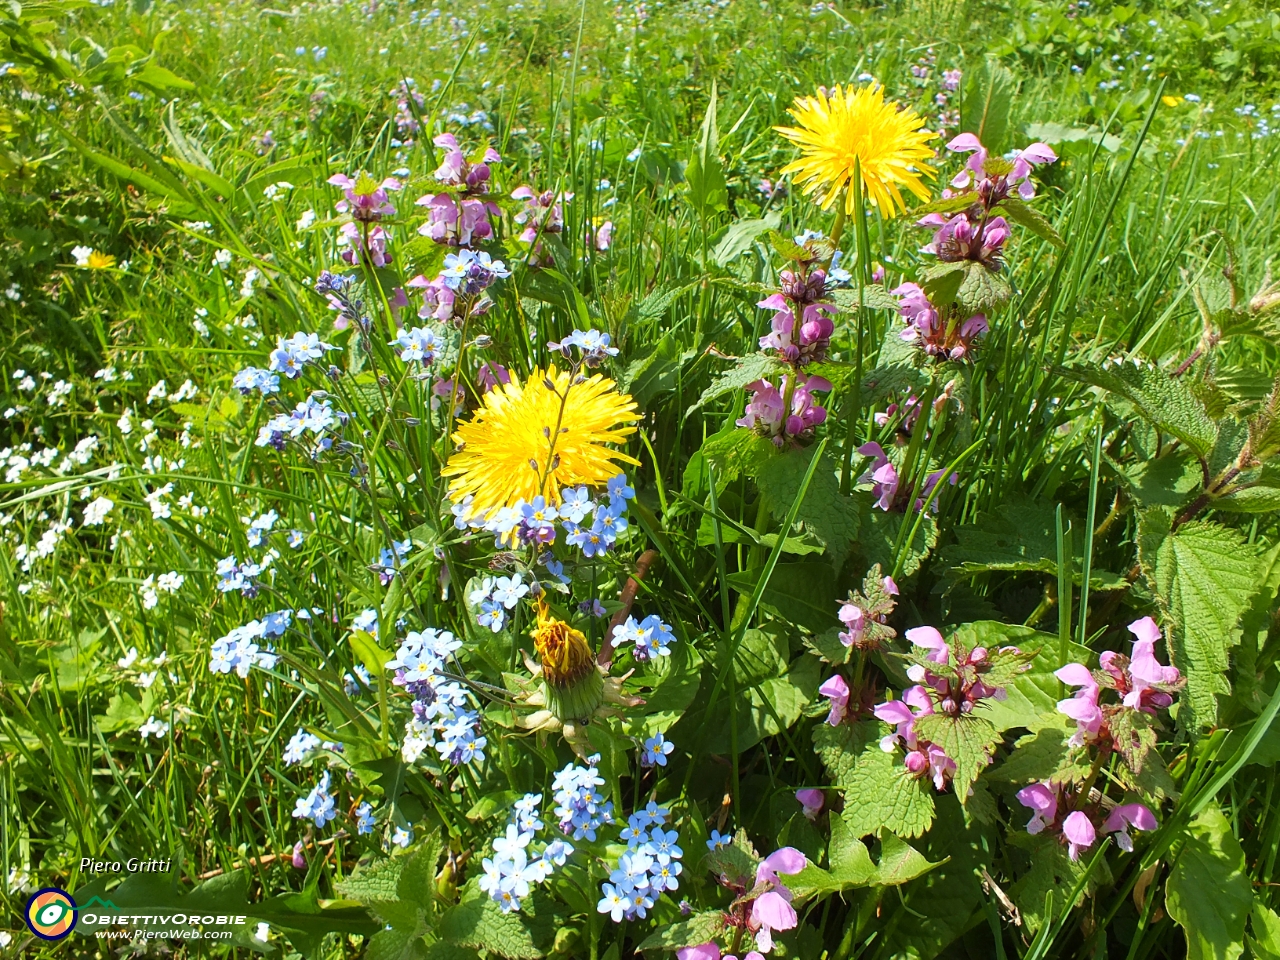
{"x":880,"y":795}
{"x":829,"y":514}
{"x":1204,"y":576}
{"x":1167,"y":403}
{"x":1028,"y":216}
{"x":698,"y":929}
{"x":740,"y":237}
{"x":481,"y":924}
{"x":968,"y":740}
{"x":758,"y":366}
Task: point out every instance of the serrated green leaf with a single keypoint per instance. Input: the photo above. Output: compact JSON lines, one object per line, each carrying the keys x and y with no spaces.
{"x":1134,"y":737}
{"x":373,"y":881}
{"x":967,"y":739}
{"x":787,"y":248}
{"x":798,"y":592}
{"x":880,"y":795}
{"x":481,"y":924}
{"x":987,"y":103}
{"x":981,"y":290}
{"x":872,"y":296}
{"x":1028,"y":216}
{"x":417,"y":883}
{"x":839,"y":747}
{"x":826,"y":512}
{"x":1045,"y":755}
{"x":1052,"y":871}
{"x":758,"y":366}
{"x":878,"y":538}
{"x":1204,"y":576}
{"x":1265,"y":942}
{"x":941,"y":282}
{"x":735,"y":451}
{"x":698,"y":929}
{"x":1160,"y":399}
{"x":827,"y":646}
{"x":1210,"y":860}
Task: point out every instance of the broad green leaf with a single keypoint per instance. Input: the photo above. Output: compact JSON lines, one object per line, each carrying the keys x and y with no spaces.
{"x":900,"y":862}
{"x":481,"y":924}
{"x":830,"y":515}
{"x":1169,"y":480}
{"x":758,"y":366}
{"x":741,"y":236}
{"x":1044,"y":755}
{"x":1204,"y":576}
{"x":1052,"y":871}
{"x":1165,"y":402}
{"x":880,"y":795}
{"x":373,"y":881}
{"x":1265,"y":942}
{"x":967,"y":739}
{"x":873,"y":296}
{"x":981,"y":290}
{"x":708,"y":191}
{"x":417,"y":882}
{"x":1208,"y":893}
{"x":735,"y":451}
{"x":798,"y":592}
{"x":698,"y":929}
{"x":848,"y":866}
{"x":878,"y":538}
{"x":987,"y":102}
{"x":371,"y":655}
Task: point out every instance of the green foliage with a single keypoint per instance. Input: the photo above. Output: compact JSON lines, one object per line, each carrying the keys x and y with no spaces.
{"x":1204,"y":576}
{"x":1210,"y":860}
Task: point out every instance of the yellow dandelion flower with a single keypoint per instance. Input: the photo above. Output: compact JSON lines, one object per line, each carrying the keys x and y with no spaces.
{"x":525,"y":442}
{"x":100,"y":261}
{"x":857,"y":125}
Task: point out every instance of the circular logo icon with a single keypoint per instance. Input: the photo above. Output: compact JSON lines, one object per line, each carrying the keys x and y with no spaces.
{"x":51,"y":913}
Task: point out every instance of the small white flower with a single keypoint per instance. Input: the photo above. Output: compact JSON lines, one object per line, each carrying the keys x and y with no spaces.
{"x":155,"y":727}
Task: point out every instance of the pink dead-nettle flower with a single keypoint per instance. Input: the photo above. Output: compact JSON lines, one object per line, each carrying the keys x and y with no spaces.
{"x":1142,"y":681}
{"x":711,"y":951}
{"x":365,"y":200}
{"x":437,"y":297}
{"x":806,"y":339}
{"x":837,"y":691}
{"x":922,"y":757}
{"x":996,"y":186}
{"x":456,"y":171}
{"x":373,"y":249}
{"x":1079,"y":832}
{"x":766,"y":410}
{"x":491,"y":375}
{"x":938,"y":336}
{"x":460,"y":222}
{"x":957,"y":238}
{"x":811,"y":802}
{"x":1042,"y":799}
{"x":882,"y":474}
{"x":772,"y":910}
{"x":1083,"y":706}
{"x":1126,"y":815}
{"x":543,"y":212}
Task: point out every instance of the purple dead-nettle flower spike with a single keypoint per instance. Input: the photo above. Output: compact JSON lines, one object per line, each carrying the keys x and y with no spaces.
{"x":865,"y":611}
{"x":959,"y":239}
{"x":1079,"y":832}
{"x":456,"y":171}
{"x":364,"y":199}
{"x":951,"y":80}
{"x":438,"y":298}
{"x":945,"y":337}
{"x":361,"y":247}
{"x":1126,"y":815}
{"x":767,"y":414}
{"x":1143,"y":682}
{"x":1042,"y":799}
{"x":457,"y":221}
{"x":772,"y":910}
{"x":801,"y":327}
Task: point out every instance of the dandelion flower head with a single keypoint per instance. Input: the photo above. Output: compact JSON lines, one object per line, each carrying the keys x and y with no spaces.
{"x":521,"y":444}
{"x":854,"y":128}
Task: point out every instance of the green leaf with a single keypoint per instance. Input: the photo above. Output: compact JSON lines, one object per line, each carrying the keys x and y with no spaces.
{"x":1028,"y":216}
{"x":981,"y":290}
{"x":1165,"y":402}
{"x":1134,"y":737}
{"x":1203,"y":576}
{"x":987,"y":102}
{"x":900,"y":862}
{"x":1208,"y":893}
{"x":1052,"y":871}
{"x":798,"y":592}
{"x":735,"y":451}
{"x":826,"y":512}
{"x":372,"y":882}
{"x":879,"y":537}
{"x":698,"y":929}
{"x":741,"y":236}
{"x":757,"y":366}
{"x":1045,"y":755}
{"x":880,"y":795}
{"x":417,"y":883}
{"x":787,"y":248}
{"x":967,"y":739}
{"x":1167,"y":481}
{"x":1265,"y":942}
{"x":872,"y":296}
{"x":371,"y":655}
{"x":480,"y":923}
{"x":849,"y":866}
{"x":708,"y":191}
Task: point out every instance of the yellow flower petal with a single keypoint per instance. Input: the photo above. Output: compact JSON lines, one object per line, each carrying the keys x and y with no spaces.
{"x":856,"y":126}
{"x":507,"y":446}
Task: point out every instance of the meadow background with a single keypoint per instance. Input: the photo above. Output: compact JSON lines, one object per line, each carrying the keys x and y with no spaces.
{"x":188,"y":146}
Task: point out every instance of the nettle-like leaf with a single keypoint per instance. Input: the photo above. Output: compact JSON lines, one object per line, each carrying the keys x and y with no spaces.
{"x":698,"y":929}
{"x":967,"y":739}
{"x":829,"y":514}
{"x":1204,"y":576}
{"x":1045,"y":755}
{"x":1165,"y":402}
{"x":881,"y":795}
{"x":1028,"y":216}
{"x":758,"y":366}
{"x":981,"y":290}
{"x":1052,"y":871}
{"x":1133,"y":736}
{"x":1208,"y":893}
{"x":479,"y":923}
